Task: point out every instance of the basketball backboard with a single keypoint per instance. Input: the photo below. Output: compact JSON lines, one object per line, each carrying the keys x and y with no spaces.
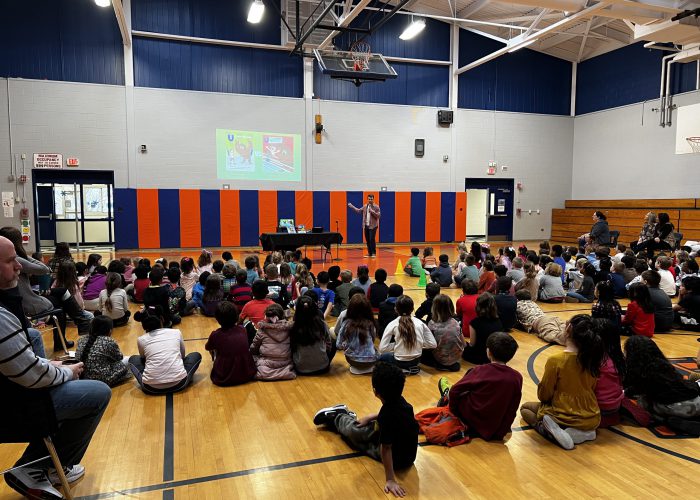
{"x":687,"y":126}
{"x":341,"y":65}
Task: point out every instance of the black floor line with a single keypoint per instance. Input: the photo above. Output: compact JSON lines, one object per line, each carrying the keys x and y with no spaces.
{"x":169,"y":441}
{"x":200,"y":338}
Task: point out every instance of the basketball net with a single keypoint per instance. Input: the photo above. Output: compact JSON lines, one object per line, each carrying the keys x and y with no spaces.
{"x":694,"y":143}
{"x":360,"y":52}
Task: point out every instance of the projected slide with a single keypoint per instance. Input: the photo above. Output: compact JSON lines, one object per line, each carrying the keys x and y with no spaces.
{"x":260,"y":156}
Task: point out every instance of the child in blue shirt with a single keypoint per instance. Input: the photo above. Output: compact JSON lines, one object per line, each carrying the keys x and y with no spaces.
{"x":326,"y":297}
{"x":250,"y":269}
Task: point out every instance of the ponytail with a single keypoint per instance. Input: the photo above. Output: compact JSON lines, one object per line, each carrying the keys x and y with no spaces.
{"x":407,"y":330}
{"x":112,"y":283}
{"x":590,"y":345}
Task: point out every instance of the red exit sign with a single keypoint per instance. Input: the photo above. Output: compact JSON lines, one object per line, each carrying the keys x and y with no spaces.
{"x":72,"y":162}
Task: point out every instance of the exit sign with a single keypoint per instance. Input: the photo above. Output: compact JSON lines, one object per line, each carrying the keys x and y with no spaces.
{"x":72,"y":162}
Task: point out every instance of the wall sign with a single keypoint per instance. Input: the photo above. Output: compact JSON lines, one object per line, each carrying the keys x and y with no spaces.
{"x":72,"y":162}
{"x":48,"y":160}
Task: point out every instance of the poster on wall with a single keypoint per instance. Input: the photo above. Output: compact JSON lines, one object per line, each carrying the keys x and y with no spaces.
{"x":258,"y":156}
{"x":48,"y":160}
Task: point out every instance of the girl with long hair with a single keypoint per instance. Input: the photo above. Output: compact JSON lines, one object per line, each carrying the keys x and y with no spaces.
{"x":608,"y":390}
{"x":113,"y":300}
{"x":312,"y":345}
{"x":212,"y":295}
{"x":65,"y":293}
{"x":639,"y":318}
{"x":357,"y":336}
{"x":405,"y":338}
{"x":568,"y":411}
{"x":101,"y":355}
{"x":530,"y":282}
{"x":60,"y":254}
{"x":607,"y":307}
{"x":448,"y":335}
{"x":480,"y":328}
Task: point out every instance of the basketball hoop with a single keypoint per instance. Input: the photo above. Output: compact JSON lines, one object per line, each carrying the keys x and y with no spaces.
{"x":694,"y":143}
{"x":361,"y":52}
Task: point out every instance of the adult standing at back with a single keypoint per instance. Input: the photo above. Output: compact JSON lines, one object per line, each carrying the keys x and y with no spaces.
{"x":370,"y":222}
{"x":600,"y":231}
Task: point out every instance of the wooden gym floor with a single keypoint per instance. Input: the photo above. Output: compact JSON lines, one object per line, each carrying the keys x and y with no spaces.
{"x":258,"y":440}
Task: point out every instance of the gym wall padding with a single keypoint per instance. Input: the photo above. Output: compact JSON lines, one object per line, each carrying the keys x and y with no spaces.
{"x":191,"y":218}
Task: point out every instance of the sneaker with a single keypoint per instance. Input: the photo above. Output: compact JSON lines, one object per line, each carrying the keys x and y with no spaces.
{"x":72,"y":474}
{"x":414,"y":370}
{"x":557,"y":433}
{"x":361,"y":371}
{"x":444,"y":386}
{"x":31,"y":483}
{"x":326,"y":415}
{"x":571,"y":300}
{"x":579,"y":436}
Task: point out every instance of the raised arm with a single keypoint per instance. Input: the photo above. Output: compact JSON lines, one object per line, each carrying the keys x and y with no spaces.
{"x":354,"y":208}
{"x":33,"y":267}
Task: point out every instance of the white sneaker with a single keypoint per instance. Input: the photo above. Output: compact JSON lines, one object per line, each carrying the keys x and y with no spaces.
{"x":32,"y":483}
{"x":560,"y":436}
{"x":72,"y":474}
{"x":578,"y":436}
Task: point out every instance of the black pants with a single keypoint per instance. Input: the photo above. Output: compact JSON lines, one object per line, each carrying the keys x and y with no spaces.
{"x":137,"y":365}
{"x":650,"y":245}
{"x":371,"y":238}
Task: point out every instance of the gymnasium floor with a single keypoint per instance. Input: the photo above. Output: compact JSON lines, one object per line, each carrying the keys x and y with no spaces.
{"x":258,"y":440}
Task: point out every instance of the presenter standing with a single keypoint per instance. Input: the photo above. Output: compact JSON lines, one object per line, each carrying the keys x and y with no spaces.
{"x":370,"y":222}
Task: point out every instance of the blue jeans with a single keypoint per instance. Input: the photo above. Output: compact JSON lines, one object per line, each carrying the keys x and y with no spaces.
{"x":37,"y":342}
{"x":79,"y":405}
{"x":578,"y":296}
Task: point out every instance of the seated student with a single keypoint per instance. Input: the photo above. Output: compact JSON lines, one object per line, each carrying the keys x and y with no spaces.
{"x":617,"y":279}
{"x":212,"y":295}
{"x":338,"y":328}
{"x":486,"y":399}
{"x":271,"y":346}
{"x":197,"y":294}
{"x":312,"y":346}
{"x":530,"y":282}
{"x":667,"y":282}
{"x":606,"y":306}
{"x":101,"y":355}
{"x":233,"y":363}
{"x":487,"y":276}
{"x":660,"y":388}
{"x":405,"y":338}
{"x":342,"y":293}
{"x":217,"y":267}
{"x":176,"y":294}
{"x":65,"y":294}
{"x":227,"y":257}
{"x":460,"y":263}
{"x":387,"y":309}
{"x":480,"y":328}
{"x":188,"y":276}
{"x":241,"y":293}
{"x":424,"y":311}
{"x":469,"y":271}
{"x":605,"y":269}
{"x":639,"y":318}
{"x":505,"y":303}
{"x":428,"y":261}
{"x":608,"y":389}
{"x":557,"y":251}
{"x":586,"y":292}
{"x":204,"y":261}
{"x":302,"y":281}
{"x":277,"y":291}
{"x":516,"y":272}
{"x":532,"y":319}
{"x":333,"y":275}
{"x":228,"y":279}
{"x":357,"y":335}
{"x":157,"y":294}
{"x":687,"y":311}
{"x":500,"y":271}
{"x":93,"y":286}
{"x":551,"y":288}
{"x":448,"y":335}
{"x":442,"y":275}
{"x":567,"y":389}
{"x":661,"y":302}
{"x":390,"y":436}
{"x":326,"y":297}
{"x":378,"y":291}
{"x":140,"y":284}
{"x":362,"y":279}
{"x":161,"y":366}
{"x":254,"y":311}
{"x":629,"y":273}
{"x":466,"y":304}
{"x":113,"y":301}
{"x":569,"y":264}
{"x":252,"y":273}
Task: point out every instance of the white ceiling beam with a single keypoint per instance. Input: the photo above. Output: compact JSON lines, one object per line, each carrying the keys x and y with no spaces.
{"x":629,"y":24}
{"x":350,"y":17}
{"x":537,"y":20}
{"x":523,"y":19}
{"x":583,"y":40}
{"x":487,"y":35}
{"x":615,"y":35}
{"x":473,"y":8}
{"x":571,"y":33}
{"x":655,"y":5}
{"x":583,"y":14}
{"x":121,"y":21}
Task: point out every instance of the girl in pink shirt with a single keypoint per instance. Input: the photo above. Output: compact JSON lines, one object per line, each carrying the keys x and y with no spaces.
{"x":608,"y":390}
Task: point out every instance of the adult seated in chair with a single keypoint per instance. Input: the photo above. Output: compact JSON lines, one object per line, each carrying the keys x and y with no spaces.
{"x":78,"y":404}
{"x":647,"y":232}
{"x":664,"y":237}
{"x":600,"y":231}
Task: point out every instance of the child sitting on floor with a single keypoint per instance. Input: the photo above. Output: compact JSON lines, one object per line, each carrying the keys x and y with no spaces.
{"x":424,"y":311}
{"x":393,"y":438}
{"x":639,"y":318}
{"x":113,"y":301}
{"x":212,"y":295}
{"x":413,"y":264}
{"x":241,"y":293}
{"x":486,"y":399}
{"x":140,"y":284}
{"x":271,"y":346}
{"x":442,"y":274}
{"x":101,"y":355}
{"x":356,"y":337}
{"x":466,"y":304}
{"x":448,"y":335}
{"x":551,"y":288}
{"x":326,"y":297}
{"x":428,"y":261}
{"x":387,"y":309}
{"x":362,"y":279}
{"x":252,"y":273}
{"x":687,"y":310}
{"x":342,"y":293}
{"x":607,"y":307}
{"x":608,"y":390}
{"x":233,"y":363}
{"x":378,"y":291}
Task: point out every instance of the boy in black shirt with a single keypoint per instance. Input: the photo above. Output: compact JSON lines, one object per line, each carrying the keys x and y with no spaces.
{"x":390,"y":436}
{"x":425,"y":309}
{"x":277,"y":291}
{"x":387,"y":309}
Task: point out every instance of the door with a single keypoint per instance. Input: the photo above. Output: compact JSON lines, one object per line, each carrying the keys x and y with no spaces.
{"x":46,"y":224}
{"x":499,"y":208}
{"x":477,"y":209}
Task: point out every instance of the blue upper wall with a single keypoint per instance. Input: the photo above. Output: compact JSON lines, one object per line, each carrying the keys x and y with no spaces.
{"x":524,"y":81}
{"x":625,"y":76}
{"x":68,"y":40}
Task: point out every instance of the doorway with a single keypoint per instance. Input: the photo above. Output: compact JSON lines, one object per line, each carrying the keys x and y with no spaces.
{"x":75,"y":207}
{"x":494,"y":199}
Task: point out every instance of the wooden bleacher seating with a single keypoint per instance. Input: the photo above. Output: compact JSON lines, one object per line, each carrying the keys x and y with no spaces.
{"x":625,"y":216}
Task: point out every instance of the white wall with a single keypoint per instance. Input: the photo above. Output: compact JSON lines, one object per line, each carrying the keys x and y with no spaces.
{"x":624,"y":153}
{"x":365,"y":146}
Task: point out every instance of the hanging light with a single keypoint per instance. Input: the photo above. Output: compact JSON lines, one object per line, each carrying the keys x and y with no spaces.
{"x":103,"y":3}
{"x":413,"y":29}
{"x":257,"y":9}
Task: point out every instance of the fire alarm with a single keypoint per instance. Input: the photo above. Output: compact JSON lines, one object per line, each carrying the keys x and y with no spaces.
{"x":22,"y":179}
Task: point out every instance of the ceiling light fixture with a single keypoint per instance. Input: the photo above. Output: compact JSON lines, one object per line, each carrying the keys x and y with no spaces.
{"x":103,"y":3}
{"x":257,"y":9}
{"x":413,"y":29}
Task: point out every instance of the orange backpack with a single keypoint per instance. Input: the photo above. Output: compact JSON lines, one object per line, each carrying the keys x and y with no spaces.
{"x":440,"y":426}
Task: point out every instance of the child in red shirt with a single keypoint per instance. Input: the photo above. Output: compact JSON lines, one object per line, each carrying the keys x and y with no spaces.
{"x":639,"y":318}
{"x":466,"y":304}
{"x":255,"y":309}
{"x":140,"y":284}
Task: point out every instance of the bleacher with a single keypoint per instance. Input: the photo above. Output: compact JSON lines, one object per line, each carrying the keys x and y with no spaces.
{"x":625,"y":216}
